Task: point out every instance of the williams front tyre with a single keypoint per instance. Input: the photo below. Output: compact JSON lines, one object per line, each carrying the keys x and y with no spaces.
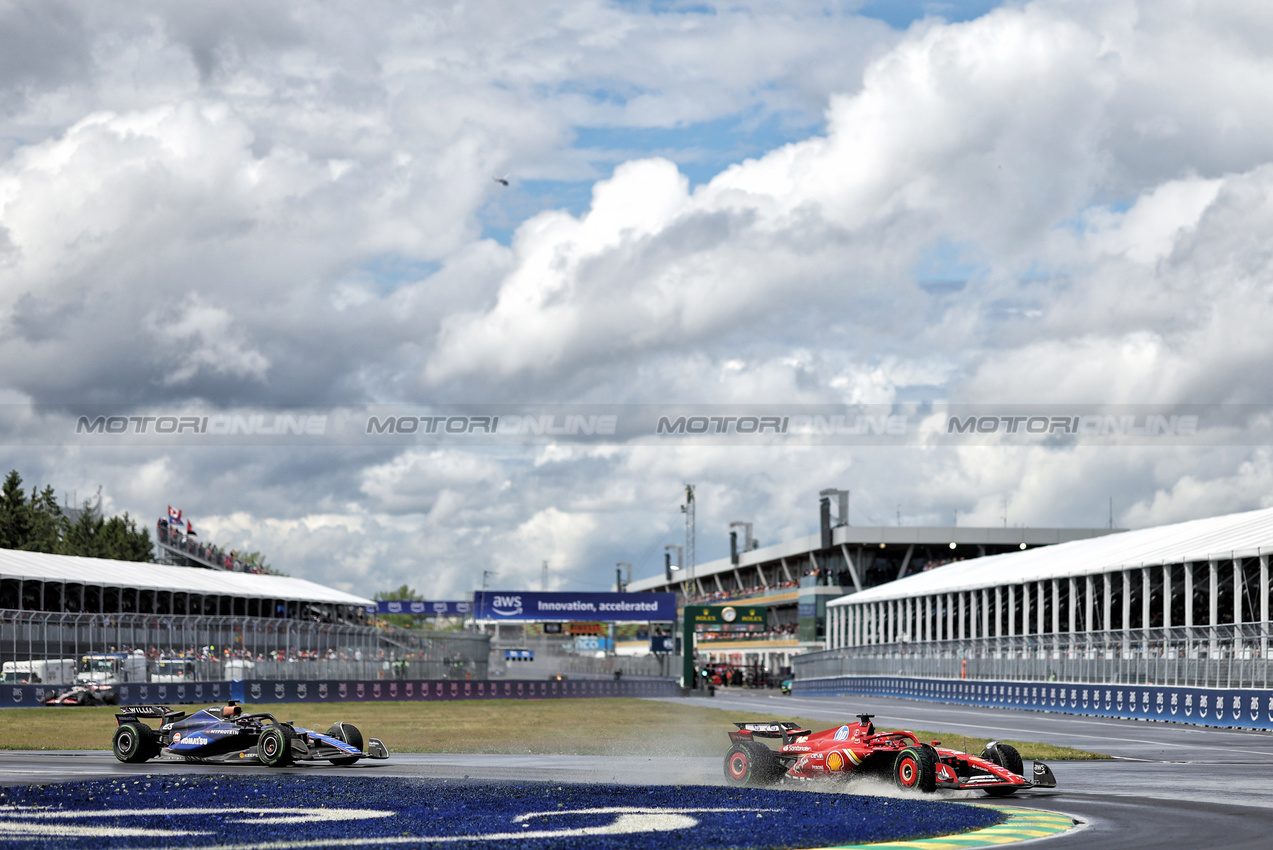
{"x":348,"y":733}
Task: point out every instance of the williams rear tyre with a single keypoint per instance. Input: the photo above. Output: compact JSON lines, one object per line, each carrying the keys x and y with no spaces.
{"x":752,"y":765}
{"x":915,"y":769}
{"x":348,"y":733}
{"x":274,"y":747}
{"x":135,"y":743}
{"x":1007,"y":757}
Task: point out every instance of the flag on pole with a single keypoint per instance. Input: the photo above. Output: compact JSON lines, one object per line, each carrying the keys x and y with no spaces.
{"x":174,"y":516}
{"x":190,"y":529}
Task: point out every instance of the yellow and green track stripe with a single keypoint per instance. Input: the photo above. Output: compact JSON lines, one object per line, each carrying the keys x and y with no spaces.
{"x":1021,"y":825}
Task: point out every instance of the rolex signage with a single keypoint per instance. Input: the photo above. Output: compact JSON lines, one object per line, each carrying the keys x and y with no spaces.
{"x":726,"y":615}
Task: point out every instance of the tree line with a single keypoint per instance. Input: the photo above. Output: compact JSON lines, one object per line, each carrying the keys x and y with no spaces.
{"x":37,"y":523}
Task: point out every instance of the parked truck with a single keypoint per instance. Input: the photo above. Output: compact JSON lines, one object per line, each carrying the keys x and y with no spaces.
{"x":112,"y":668}
{"x":59,"y":671}
{"x":173,"y":670}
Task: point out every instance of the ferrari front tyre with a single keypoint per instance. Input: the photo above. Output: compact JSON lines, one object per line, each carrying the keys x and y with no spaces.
{"x":1007,"y":757}
{"x":348,"y":733}
{"x":133,"y":743}
{"x":915,"y":769}
{"x":274,"y":747}
{"x":751,"y":764}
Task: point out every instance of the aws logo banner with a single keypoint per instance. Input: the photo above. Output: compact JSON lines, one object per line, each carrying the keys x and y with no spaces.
{"x":301,"y":812}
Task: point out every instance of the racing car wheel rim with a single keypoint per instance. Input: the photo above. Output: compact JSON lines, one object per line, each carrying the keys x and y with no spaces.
{"x":908,"y":772}
{"x":739,"y":765}
{"x":125,"y":742}
{"x":269,"y":746}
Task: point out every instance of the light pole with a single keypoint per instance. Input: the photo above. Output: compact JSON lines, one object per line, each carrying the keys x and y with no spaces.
{"x":688,"y":510}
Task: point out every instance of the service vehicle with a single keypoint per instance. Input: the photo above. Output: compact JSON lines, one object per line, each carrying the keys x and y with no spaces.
{"x":57,"y":671}
{"x":226,"y":734}
{"x":857,"y":750}
{"x":173,"y":670}
{"x":111,"y":668}
{"x":96,"y":677}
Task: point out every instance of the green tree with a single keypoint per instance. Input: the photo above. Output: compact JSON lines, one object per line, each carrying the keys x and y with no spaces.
{"x":48,"y":523}
{"x":84,"y":535}
{"x":121,"y":540}
{"x":401,"y":594}
{"x":15,"y":513}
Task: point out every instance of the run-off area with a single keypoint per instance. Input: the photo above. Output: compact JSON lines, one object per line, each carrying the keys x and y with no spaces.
{"x":295,"y":811}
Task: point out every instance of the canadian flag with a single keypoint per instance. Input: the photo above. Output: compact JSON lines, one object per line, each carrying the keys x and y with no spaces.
{"x":174,"y":515}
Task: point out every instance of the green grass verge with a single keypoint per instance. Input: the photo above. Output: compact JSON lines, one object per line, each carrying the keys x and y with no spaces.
{"x":565,"y":726}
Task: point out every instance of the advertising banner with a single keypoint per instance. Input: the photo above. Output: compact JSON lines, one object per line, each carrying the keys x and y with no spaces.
{"x":421,"y":608}
{"x":523,"y":605}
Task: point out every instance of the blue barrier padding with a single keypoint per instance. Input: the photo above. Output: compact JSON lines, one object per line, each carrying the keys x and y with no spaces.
{"x":336,"y":808}
{"x":1223,"y":707}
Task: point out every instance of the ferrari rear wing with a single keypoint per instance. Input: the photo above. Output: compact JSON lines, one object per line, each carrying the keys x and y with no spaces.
{"x":784,"y":730}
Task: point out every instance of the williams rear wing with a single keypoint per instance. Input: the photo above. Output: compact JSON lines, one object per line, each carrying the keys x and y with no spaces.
{"x":137,"y":712}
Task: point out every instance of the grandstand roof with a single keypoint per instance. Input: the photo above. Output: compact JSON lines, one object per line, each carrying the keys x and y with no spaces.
{"x":1223,"y":537}
{"x":38,"y":566}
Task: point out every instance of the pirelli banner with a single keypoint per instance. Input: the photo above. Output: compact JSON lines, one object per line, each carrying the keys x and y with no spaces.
{"x":1223,"y":707}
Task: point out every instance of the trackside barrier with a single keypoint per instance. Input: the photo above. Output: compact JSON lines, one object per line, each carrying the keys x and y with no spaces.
{"x":1222,"y":707}
{"x":256,"y":691}
{"x":370,"y":690}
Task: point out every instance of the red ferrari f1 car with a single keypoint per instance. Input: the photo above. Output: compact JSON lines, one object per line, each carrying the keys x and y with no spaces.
{"x":857,"y":750}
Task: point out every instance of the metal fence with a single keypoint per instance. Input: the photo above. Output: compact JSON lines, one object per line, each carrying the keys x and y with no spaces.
{"x":232,"y":647}
{"x":1207,"y":656}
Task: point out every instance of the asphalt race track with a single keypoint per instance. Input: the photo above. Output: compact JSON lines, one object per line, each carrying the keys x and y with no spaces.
{"x":1183,"y":786}
{"x":1171,"y":784}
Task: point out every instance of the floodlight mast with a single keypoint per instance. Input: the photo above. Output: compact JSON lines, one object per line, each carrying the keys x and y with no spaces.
{"x":688,"y":510}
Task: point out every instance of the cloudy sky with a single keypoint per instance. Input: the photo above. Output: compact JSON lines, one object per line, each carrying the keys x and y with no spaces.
{"x":227,"y":207}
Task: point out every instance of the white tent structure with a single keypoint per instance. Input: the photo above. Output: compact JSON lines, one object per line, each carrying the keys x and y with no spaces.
{"x":35,"y":581}
{"x":1140,"y":585}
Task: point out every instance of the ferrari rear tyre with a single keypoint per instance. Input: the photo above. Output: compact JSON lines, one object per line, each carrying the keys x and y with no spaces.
{"x":751,"y":764}
{"x":1007,"y":757}
{"x":274,"y":747}
{"x":134,"y":743}
{"x":915,"y":769}
{"x":348,"y":733}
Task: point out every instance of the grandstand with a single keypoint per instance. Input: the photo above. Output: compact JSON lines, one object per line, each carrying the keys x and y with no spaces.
{"x":1186,"y":603}
{"x":797,"y":579}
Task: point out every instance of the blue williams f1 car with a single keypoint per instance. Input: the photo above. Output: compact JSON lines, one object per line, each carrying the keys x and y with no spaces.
{"x":225,"y":734}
